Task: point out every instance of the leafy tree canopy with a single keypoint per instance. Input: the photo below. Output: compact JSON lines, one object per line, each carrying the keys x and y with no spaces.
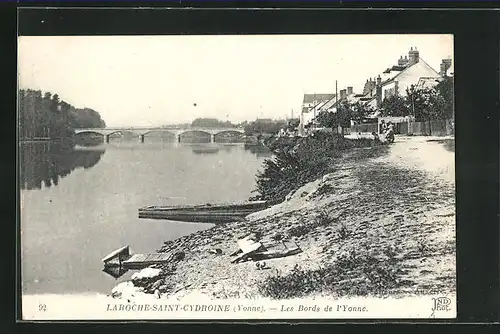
{"x":46,"y":116}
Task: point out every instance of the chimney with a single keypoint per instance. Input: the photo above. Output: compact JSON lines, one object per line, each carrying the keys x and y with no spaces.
{"x":343,"y":94}
{"x":349,"y":90}
{"x":445,"y":65}
{"x":401,"y":61}
{"x":378,"y":91}
{"x":413,"y":56}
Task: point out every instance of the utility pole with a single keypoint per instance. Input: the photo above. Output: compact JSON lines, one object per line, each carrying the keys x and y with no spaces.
{"x":314,"y":112}
{"x":336,"y":93}
{"x":336,"y":99}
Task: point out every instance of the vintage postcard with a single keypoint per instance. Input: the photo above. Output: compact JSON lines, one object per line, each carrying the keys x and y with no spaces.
{"x":237,"y":177}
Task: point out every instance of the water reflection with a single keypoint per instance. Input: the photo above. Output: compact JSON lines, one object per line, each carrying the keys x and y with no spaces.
{"x":260,"y":151}
{"x":115,"y":271}
{"x":45,"y":163}
{"x":205,"y":149}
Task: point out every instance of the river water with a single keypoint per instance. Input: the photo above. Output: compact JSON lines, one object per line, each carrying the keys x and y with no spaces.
{"x":77,"y":205}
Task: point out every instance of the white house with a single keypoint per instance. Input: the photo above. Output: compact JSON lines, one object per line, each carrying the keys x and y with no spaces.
{"x":312,"y":104}
{"x":395,"y":80}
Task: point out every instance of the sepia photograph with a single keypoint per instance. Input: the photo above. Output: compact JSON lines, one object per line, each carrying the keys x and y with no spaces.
{"x":196,"y":177}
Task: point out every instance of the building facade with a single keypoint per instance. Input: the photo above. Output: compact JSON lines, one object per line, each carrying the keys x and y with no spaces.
{"x":409,"y":70}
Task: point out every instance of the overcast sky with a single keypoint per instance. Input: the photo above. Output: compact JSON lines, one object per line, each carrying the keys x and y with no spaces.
{"x":155,"y":80}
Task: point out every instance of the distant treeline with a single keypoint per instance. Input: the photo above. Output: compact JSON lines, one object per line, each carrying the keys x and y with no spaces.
{"x":259,"y":126}
{"x":268,"y":126}
{"x":45,"y":116}
{"x":212,"y":123}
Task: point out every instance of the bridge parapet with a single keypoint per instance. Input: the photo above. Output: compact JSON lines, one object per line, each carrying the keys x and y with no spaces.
{"x":142,"y":131}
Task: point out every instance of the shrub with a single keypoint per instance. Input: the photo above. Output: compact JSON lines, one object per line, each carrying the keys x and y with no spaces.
{"x":350,"y":275}
{"x":321,"y":219}
{"x":343,"y":232}
{"x":297,"y":161}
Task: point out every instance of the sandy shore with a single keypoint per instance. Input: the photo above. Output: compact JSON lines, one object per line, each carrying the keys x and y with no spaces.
{"x":362,"y":200}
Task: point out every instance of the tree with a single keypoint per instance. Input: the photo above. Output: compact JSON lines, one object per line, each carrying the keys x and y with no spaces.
{"x":268,"y":126}
{"x":428,"y":104}
{"x":446,"y":89}
{"x":47,"y":116}
{"x":359,"y":111}
{"x":211,"y":123}
{"x":333,"y":119}
{"x":396,"y":106}
{"x":293,"y":124}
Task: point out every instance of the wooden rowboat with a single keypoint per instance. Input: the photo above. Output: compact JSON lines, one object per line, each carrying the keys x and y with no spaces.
{"x":207,"y":213}
{"x":117,"y":256}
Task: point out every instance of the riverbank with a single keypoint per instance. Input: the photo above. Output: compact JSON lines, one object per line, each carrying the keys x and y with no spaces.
{"x":380,"y":223}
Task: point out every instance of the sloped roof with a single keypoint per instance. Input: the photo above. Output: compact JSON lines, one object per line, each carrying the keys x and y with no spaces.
{"x":368,"y":99}
{"x":309,"y":98}
{"x":330,"y":103}
{"x":389,"y":80}
{"x":427,"y":82}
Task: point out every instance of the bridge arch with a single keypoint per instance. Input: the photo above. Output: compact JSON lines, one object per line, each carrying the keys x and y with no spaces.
{"x":195,"y":136}
{"x":229,"y":136}
{"x":121,"y":132}
{"x":163,"y":134}
{"x":86,"y":132}
{"x":158,"y":131}
{"x":90,"y":137}
{"x":241,"y":133}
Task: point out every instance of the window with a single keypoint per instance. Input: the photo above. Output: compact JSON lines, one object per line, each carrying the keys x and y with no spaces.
{"x":389,"y":92}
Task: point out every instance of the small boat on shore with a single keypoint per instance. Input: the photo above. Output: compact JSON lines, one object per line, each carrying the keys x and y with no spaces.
{"x":119,"y":261}
{"x":205,"y":213}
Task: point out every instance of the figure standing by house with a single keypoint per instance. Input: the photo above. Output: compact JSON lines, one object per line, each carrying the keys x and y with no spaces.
{"x":390,"y":127}
{"x":383,"y":127}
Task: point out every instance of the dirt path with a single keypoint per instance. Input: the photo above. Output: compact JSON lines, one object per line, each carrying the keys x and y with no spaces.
{"x":424,"y":154}
{"x":398,"y":208}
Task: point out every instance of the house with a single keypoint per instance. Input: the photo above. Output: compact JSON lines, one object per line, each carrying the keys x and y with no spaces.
{"x":410,"y":70}
{"x":312,"y":104}
{"x":395,"y":80}
{"x":313,"y":100}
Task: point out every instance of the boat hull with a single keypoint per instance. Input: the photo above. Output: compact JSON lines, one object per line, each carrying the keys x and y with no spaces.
{"x":203,"y":213}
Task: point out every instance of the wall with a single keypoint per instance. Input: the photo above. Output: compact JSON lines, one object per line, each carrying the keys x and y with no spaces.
{"x":434,"y":128}
{"x":372,"y":104}
{"x":388,"y":90}
{"x":412,"y":74}
{"x":369,"y":128}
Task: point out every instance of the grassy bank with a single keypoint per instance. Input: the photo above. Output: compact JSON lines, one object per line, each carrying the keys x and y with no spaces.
{"x":370,"y":222}
{"x":299,"y":160}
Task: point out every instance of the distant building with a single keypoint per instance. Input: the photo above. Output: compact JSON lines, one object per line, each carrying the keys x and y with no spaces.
{"x":312,"y":104}
{"x":395,"y":80}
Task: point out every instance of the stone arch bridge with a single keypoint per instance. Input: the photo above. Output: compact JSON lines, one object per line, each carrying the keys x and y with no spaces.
{"x":177,"y":132}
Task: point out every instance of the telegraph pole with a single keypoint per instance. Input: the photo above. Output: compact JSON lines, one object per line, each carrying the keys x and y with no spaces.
{"x":336,"y":99}
{"x":336,"y":93}
{"x":314,"y":111}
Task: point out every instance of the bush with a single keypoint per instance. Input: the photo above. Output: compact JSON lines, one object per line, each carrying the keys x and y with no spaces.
{"x":322,"y":219}
{"x":297,"y":161}
{"x":350,"y":275}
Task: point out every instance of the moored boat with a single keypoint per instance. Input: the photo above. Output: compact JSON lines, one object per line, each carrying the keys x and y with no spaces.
{"x":209,"y":213}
